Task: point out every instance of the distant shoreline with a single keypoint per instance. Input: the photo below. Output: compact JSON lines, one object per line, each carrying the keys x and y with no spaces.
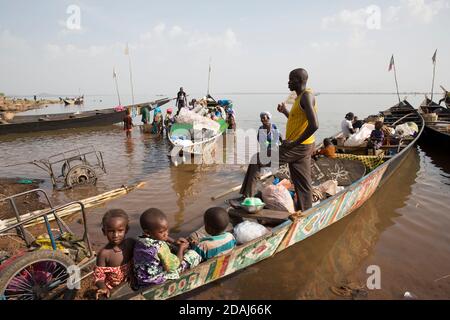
{"x":18,"y":96}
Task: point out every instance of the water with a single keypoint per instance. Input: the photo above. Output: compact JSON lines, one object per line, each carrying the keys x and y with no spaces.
{"x":402,"y":228}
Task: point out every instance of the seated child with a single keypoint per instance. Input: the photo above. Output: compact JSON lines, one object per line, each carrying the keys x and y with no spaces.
{"x":218,"y":242}
{"x":328,"y":150}
{"x":114,"y":260}
{"x":153,"y":261}
{"x":377,"y":136}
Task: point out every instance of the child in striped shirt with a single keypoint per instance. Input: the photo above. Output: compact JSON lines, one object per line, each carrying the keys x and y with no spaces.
{"x":218,"y":241}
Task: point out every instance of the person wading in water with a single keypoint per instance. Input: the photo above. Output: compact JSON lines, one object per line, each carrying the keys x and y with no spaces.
{"x":298,"y":147}
{"x":181,"y":100}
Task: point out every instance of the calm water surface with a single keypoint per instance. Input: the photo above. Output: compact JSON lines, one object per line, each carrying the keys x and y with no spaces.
{"x":403,"y":228}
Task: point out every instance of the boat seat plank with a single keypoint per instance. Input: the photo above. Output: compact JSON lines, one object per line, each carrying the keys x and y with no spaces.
{"x":271,"y":216}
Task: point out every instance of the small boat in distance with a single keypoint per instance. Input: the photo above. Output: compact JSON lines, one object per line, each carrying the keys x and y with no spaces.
{"x":75,"y":101}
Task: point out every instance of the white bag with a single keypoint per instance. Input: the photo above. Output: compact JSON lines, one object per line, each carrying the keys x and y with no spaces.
{"x":249,"y":230}
{"x":358,"y":138}
{"x":278,"y":198}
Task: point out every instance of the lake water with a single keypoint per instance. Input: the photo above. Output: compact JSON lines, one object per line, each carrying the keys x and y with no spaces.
{"x":403,"y":228}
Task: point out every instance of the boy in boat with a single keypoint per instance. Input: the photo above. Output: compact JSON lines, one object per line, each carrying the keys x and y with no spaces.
{"x":128,"y":123}
{"x":347,"y":125}
{"x":154,"y":263}
{"x":114,"y":260}
{"x":357,"y":124}
{"x":328,"y":150}
{"x":377,"y":136}
{"x":217,"y":241}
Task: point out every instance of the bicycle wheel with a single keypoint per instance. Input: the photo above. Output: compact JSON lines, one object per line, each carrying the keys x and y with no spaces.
{"x":38,"y":275}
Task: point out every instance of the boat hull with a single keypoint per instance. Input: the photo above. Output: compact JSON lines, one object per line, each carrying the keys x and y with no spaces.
{"x":300,"y":227}
{"x":431,"y":134}
{"x":96,"y":119}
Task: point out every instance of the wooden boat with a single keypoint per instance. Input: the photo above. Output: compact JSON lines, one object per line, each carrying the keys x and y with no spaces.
{"x":103,"y":117}
{"x":437,"y":122}
{"x":76,"y":101}
{"x":193,"y":146}
{"x":289,"y":229}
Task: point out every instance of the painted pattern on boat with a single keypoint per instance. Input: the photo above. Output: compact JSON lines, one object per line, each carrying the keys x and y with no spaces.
{"x":219,"y":267}
{"x":334,"y":210}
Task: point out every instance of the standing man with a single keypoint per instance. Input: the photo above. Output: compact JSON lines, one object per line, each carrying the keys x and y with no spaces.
{"x":181,"y":100}
{"x":298,"y":147}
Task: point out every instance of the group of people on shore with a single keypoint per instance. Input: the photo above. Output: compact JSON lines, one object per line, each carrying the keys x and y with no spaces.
{"x":154,"y":256}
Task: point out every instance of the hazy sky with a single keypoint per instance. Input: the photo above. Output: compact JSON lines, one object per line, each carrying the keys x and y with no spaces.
{"x":344,"y":45}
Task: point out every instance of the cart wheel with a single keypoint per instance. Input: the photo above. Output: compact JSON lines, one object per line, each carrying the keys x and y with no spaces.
{"x":80,"y":174}
{"x":73,"y":163}
{"x":38,"y":275}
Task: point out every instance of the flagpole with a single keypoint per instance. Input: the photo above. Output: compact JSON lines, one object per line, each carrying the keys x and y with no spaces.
{"x":131,"y":74}
{"x":209,"y":74}
{"x":434,"y":72}
{"x":117,"y":86}
{"x":396,"y":83}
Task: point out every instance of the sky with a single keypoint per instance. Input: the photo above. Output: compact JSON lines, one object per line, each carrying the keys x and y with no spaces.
{"x":346,"y":46}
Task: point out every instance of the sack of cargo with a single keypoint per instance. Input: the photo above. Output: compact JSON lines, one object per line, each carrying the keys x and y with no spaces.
{"x":249,"y":230}
{"x":278,"y":198}
{"x":358,"y":139}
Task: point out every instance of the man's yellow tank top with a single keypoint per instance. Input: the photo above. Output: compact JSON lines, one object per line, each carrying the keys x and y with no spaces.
{"x":297,"y":121}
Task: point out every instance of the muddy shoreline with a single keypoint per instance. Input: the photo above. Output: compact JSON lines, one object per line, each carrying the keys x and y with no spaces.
{"x":8,"y":106}
{"x":27,"y":203}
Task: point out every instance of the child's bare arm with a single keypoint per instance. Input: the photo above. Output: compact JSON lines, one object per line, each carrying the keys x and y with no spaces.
{"x":99,"y":275}
{"x":182,"y":246}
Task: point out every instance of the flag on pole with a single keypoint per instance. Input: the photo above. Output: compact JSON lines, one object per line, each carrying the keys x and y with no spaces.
{"x":127,"y":50}
{"x":114,"y":73}
{"x":391,"y":64}
{"x":434,"y":57}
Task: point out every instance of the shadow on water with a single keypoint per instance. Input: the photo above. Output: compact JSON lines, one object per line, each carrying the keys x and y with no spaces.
{"x":308,"y":269}
{"x":439,"y":156}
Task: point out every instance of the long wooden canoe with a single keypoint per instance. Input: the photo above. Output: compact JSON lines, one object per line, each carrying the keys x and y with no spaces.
{"x":290,"y":231}
{"x":437,"y":130}
{"x":103,"y":117}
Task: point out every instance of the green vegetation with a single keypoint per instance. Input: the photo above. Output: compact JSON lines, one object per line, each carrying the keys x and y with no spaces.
{"x":2,"y":94}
